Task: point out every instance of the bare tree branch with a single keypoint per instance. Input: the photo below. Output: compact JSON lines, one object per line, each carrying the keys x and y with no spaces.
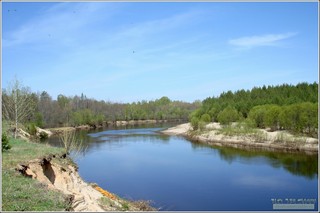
{"x":17,"y":103}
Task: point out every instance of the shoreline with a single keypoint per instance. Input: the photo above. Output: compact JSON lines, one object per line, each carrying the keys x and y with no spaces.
{"x":265,"y":141}
{"x":58,"y":130}
{"x":57,"y":173}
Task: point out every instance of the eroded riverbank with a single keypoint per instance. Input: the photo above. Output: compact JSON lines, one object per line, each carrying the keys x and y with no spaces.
{"x":57,"y":173}
{"x":40,"y":177}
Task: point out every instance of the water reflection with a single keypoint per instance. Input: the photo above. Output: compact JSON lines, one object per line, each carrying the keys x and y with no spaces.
{"x":148,"y":134}
{"x":127,"y":132}
{"x":180,"y":175}
{"x":96,"y":139}
{"x":295,"y":163}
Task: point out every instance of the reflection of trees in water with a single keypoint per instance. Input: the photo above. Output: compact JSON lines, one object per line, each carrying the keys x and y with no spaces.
{"x":295,"y":163}
{"x":97,"y":142}
{"x":119,"y":140}
{"x":133,"y":138}
{"x":115,"y":141}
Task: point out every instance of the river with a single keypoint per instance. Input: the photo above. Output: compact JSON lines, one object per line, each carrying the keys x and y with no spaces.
{"x":177,"y":174}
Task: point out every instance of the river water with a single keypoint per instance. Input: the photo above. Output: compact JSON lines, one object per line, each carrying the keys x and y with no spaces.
{"x":177,"y":174}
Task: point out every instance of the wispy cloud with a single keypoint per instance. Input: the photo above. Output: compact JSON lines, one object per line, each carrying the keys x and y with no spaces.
{"x":261,"y":40}
{"x":160,"y":25}
{"x":58,"y":24}
{"x":107,"y":51}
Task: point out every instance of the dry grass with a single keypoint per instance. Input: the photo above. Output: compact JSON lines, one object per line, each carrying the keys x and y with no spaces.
{"x":143,"y":205}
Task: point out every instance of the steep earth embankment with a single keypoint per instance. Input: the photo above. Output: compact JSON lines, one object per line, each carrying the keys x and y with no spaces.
{"x":57,"y":173}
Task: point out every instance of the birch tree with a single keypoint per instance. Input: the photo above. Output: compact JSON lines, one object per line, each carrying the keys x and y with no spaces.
{"x":17,"y":104}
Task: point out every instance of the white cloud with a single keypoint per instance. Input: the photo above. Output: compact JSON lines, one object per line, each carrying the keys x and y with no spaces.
{"x":59,"y":24}
{"x":261,"y":40}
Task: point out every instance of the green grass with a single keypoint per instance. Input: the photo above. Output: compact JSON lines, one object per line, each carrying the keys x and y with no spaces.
{"x":125,"y":206}
{"x":241,"y":129}
{"x":23,"y":151}
{"x":282,"y":137}
{"x":106,"y":202}
{"x":21,"y":193}
{"x":260,"y":136}
{"x":237,"y":130}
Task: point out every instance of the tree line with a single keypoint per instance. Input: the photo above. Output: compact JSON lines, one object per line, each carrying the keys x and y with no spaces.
{"x":290,"y":107}
{"x":21,"y":105}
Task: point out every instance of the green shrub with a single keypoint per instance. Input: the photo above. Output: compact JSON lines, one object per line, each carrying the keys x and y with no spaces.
{"x":202,"y":125}
{"x":195,"y":123}
{"x":39,"y":120}
{"x":43,"y":135}
{"x":5,"y":142}
{"x":258,"y":114}
{"x":249,"y":123}
{"x":228,"y":115}
{"x":31,"y":129}
{"x":205,"y":118}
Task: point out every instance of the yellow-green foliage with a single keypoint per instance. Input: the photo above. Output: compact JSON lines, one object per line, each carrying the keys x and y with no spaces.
{"x":228,"y":115}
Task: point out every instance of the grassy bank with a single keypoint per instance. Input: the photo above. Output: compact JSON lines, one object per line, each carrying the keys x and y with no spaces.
{"x":21,"y":193}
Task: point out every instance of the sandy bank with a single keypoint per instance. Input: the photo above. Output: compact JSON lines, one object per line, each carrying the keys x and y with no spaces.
{"x":273,"y":141}
{"x":135,"y":122}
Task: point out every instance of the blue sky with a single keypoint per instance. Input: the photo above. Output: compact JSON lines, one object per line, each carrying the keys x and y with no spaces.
{"x":126,"y":52}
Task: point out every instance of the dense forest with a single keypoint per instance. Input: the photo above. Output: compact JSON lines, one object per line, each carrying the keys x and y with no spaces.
{"x":290,"y":107}
{"x":40,"y":109}
{"x":79,"y":110}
